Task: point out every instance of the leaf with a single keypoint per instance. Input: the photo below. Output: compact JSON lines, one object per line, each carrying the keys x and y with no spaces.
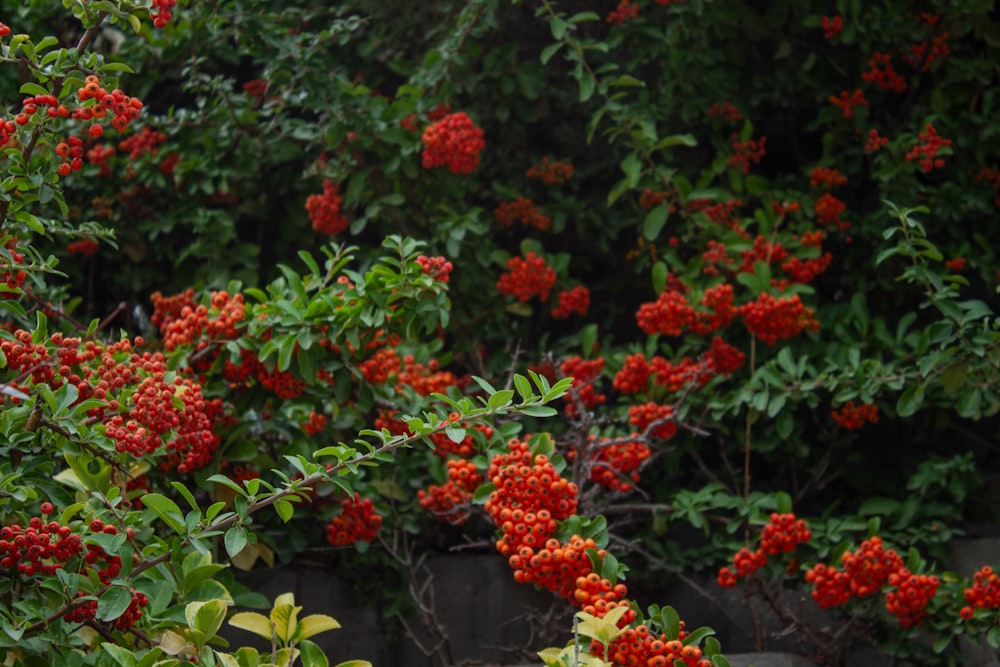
{"x":312,"y":655}
{"x":253,"y":622}
{"x":500,"y":399}
{"x":550,"y":51}
{"x":587,"y":86}
{"x":113,"y":603}
{"x":284,"y":616}
{"x":206,"y":617}
{"x":538,"y":411}
{"x":315,"y":624}
{"x":122,"y":656}
{"x":911,"y":399}
{"x":655,"y":220}
{"x":235,"y":540}
{"x":165,"y":509}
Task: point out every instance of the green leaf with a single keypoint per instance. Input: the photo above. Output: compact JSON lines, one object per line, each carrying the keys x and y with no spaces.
{"x":655,"y":220}
{"x":500,"y":399}
{"x":284,"y":509}
{"x":165,"y":509}
{"x":550,"y":51}
{"x":120,"y":655}
{"x":523,"y":387}
{"x":113,"y":603}
{"x":538,"y":411}
{"x":587,"y":86}
{"x":911,"y":399}
{"x":206,"y":617}
{"x":312,"y":655}
{"x":236,"y":540}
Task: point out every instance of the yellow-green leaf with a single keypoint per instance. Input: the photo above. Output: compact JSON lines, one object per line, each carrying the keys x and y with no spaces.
{"x":315,"y":624}
{"x":354,"y":663}
{"x":172,"y":643}
{"x":284,"y":616}
{"x":253,"y":622}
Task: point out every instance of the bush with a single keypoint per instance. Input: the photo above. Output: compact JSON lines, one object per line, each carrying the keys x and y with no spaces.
{"x":747,"y":246}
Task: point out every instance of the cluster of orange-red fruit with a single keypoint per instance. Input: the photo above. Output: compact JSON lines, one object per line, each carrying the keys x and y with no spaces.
{"x":848,"y":100}
{"x":12,"y":278}
{"x":142,"y":408}
{"x":522,"y":210}
{"x":868,"y":571}
{"x":124,"y":108}
{"x":315,"y":423}
{"x":568,"y":302}
{"x":984,"y":593}
{"x":324,"y":210}
{"x":45,"y":546}
{"x":583,"y":393}
{"x":527,"y":277}
{"x":356,"y":522}
{"x":853,"y":416}
{"x":82,"y":247}
{"x":634,"y":377}
{"x":727,"y":111}
{"x":768,"y":318}
{"x":628,"y":10}
{"x":454,"y":142}
{"x":747,"y":152}
{"x":451,"y":502}
{"x":781,"y":534}
{"x":925,"y":152}
{"x":162,"y":12}
{"x":883,"y":74}
{"x":530,"y":500}
{"x":551,"y":172}
{"x":832,"y":26}
{"x":614,"y":465}
{"x":639,"y":647}
{"x":438,"y":268}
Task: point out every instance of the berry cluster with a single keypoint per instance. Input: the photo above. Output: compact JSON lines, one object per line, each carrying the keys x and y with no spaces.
{"x":524,"y":211}
{"x":315,"y":423}
{"x":727,"y":111}
{"x":828,"y":210}
{"x":853,"y":417}
{"x":875,"y":142}
{"x":551,"y":172}
{"x":772,"y":319}
{"x":124,"y":108}
{"x":183,"y":322}
{"x":643,"y":416}
{"x":143,"y":406}
{"x":883,"y":74}
{"x":865,"y":572}
{"x":908,"y":603}
{"x":723,"y":213}
{"x":848,"y":100}
{"x":616,"y":466}
{"x":576,"y":300}
{"x":781,"y":534}
{"x":922,"y":56}
{"x":626,"y":11}
{"x":638,"y":646}
{"x":357,"y":522}
{"x":71,"y":152}
{"x":832,"y":26}
{"x":147,"y":141}
{"x":438,"y":268}
{"x":929,"y":143}
{"x":450,"y":502}
{"x":527,"y":277}
{"x":956,"y":264}
{"x":82,"y":247}
{"x":983,"y":594}
{"x":529,"y":501}
{"x":9,"y":276}
{"x":826,"y":178}
{"x":324,"y":210}
{"x":455,"y":142}
{"x":44,"y":546}
{"x":161,"y":13}
{"x":583,"y":394}
{"x":746,"y":153}
{"x":284,"y":385}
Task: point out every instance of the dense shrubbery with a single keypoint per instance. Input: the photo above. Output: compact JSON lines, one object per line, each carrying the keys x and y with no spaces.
{"x":748,"y":248}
